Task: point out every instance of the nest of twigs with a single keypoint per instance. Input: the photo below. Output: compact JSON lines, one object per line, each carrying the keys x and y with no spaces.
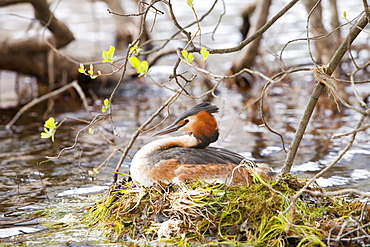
{"x":199,"y":213}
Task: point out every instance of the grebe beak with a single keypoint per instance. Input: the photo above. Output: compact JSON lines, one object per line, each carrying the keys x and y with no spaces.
{"x":169,"y":129}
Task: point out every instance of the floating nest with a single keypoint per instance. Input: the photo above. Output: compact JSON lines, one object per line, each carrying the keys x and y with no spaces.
{"x":198,"y":213}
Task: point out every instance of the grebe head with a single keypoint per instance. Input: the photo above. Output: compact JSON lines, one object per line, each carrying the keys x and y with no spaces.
{"x":198,"y":122}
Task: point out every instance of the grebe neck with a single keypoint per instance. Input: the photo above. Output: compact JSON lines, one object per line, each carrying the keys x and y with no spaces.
{"x":143,"y":155}
{"x":186,"y":141}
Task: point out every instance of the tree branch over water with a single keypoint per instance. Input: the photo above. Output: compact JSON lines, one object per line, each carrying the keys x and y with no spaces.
{"x":318,"y":89}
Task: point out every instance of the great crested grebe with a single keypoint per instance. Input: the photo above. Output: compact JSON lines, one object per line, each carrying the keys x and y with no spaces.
{"x":188,"y":157}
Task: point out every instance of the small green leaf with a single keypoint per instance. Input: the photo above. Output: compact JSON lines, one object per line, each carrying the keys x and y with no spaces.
{"x":108,"y":56}
{"x":106,"y":105}
{"x":184,"y":53}
{"x":81,"y":69}
{"x":50,"y":123}
{"x":104,"y":55}
{"x":190,"y":3}
{"x":91,"y":131}
{"x":144,"y":66}
{"x":111,"y":51}
{"x":135,"y":62}
{"x":344,"y":14}
{"x":49,"y":129}
{"x":45,"y":134}
{"x":134,"y":48}
{"x":188,"y":57}
{"x":141,"y":67}
{"x":204,"y":53}
{"x":91,"y":70}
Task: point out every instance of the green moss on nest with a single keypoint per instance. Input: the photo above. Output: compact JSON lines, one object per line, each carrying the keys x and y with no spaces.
{"x":215,"y":214}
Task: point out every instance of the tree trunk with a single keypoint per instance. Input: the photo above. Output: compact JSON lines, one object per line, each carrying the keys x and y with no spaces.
{"x":324,"y":47}
{"x":334,"y":20}
{"x":246,"y":15}
{"x":62,"y":35}
{"x":247,"y":55}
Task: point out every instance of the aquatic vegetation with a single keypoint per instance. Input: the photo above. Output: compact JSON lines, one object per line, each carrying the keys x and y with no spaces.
{"x":198,"y":213}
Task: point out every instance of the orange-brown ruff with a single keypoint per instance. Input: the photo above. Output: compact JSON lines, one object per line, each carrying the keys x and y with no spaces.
{"x":188,"y":157}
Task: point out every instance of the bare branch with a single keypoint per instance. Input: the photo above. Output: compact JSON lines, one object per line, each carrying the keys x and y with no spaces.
{"x":140,"y":130}
{"x":48,"y":96}
{"x":318,"y":89}
{"x":352,"y":132}
{"x":61,"y":32}
{"x":157,"y":11}
{"x":255,"y":35}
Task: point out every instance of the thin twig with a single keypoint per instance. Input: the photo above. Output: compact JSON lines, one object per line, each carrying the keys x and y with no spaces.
{"x":352,"y":132}
{"x":354,"y":230}
{"x":308,"y":32}
{"x":219,"y":19}
{"x":92,"y":123}
{"x":259,"y":32}
{"x":139,"y":130}
{"x":35,"y":101}
{"x":264,"y":92}
{"x":362,"y":103}
{"x":138,"y":14}
{"x":196,"y":32}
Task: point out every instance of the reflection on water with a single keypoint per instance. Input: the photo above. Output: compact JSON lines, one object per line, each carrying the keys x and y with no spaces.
{"x":27,"y":186}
